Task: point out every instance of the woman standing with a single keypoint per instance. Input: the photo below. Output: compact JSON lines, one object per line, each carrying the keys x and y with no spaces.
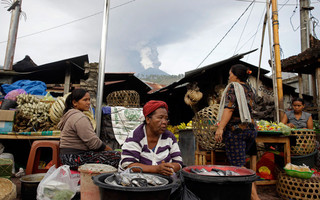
{"x":235,"y":123}
{"x":151,"y":146}
{"x":297,"y":118}
{"x":79,"y":144}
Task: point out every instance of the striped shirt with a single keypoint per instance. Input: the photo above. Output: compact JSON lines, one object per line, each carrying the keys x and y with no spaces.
{"x":135,"y":149}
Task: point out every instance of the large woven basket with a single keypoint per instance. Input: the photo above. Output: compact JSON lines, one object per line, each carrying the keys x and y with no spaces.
{"x":305,"y":142}
{"x":204,"y":128}
{"x":8,"y":190}
{"x":297,"y":188}
{"x":126,"y":98}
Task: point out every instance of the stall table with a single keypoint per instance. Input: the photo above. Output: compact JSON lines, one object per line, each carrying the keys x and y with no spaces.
{"x":19,"y":143}
{"x":30,"y":135}
{"x":273,"y":137}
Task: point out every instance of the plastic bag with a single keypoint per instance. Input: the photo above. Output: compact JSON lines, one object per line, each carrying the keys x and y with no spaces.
{"x":12,"y":95}
{"x":58,"y":184}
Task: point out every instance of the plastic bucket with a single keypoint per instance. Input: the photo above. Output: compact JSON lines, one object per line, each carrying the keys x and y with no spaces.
{"x":187,"y":145}
{"x":29,"y":185}
{"x":220,"y":187}
{"x":308,"y":159}
{"x":88,"y":190}
{"x":109,"y":191}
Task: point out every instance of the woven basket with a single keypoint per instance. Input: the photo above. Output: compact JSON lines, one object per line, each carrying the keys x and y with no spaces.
{"x":297,"y":188}
{"x":305,"y":142}
{"x":126,"y":98}
{"x":8,"y":190}
{"x":204,"y":128}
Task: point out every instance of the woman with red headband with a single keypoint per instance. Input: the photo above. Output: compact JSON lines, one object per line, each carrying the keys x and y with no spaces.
{"x":151,"y":146}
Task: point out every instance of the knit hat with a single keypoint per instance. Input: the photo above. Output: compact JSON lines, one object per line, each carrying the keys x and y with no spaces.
{"x":153,"y":105}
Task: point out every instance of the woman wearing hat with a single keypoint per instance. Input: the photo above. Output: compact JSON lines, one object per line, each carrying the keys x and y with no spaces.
{"x":151,"y":146}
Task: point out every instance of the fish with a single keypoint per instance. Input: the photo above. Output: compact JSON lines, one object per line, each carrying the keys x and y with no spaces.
{"x":219,"y":171}
{"x":231,"y":173}
{"x":121,"y":179}
{"x":139,"y":182}
{"x":157,"y":180}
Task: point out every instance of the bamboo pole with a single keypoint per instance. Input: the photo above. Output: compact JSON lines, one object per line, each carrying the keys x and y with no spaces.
{"x":275,"y":25}
{"x":275,"y":93}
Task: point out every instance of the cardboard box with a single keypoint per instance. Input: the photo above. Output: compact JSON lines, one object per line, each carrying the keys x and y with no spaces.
{"x":6,"y":120}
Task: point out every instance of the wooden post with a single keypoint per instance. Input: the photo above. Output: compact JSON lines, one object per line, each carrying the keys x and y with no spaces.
{"x":314,"y":88}
{"x":67,"y":78}
{"x":318,"y":86}
{"x":300,"y":85}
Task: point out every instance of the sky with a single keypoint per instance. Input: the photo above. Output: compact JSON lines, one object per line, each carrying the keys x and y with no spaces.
{"x":172,"y":35}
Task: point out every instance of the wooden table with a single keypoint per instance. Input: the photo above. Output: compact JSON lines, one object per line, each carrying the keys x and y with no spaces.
{"x":29,"y":137}
{"x":19,"y":144}
{"x":280,"y":139}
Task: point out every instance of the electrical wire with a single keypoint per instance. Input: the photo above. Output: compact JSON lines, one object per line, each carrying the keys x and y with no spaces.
{"x":318,"y":1}
{"x":283,"y":5}
{"x":244,"y":27}
{"x":225,"y":34}
{"x":71,"y":22}
{"x":294,"y":12}
{"x":255,"y":34}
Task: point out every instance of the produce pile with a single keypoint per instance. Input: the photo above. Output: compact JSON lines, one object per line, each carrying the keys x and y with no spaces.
{"x":264,"y":125}
{"x":32,"y":114}
{"x":181,"y":126}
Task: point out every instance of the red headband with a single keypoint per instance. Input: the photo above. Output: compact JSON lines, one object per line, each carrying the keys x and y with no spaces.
{"x":153,"y":105}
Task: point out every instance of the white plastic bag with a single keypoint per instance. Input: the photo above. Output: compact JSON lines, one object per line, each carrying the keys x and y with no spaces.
{"x":58,"y":184}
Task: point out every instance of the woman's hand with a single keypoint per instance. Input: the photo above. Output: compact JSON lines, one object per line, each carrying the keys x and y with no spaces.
{"x":218,"y":135}
{"x":291,"y":125}
{"x":166,"y":169}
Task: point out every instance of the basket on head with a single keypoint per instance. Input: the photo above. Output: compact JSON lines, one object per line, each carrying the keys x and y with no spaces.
{"x":298,"y":188}
{"x":204,"y":127}
{"x":305,"y":142}
{"x":126,"y":98}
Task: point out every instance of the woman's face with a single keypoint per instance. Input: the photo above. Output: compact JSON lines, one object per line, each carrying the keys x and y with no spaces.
{"x":83,"y":104}
{"x":158,"y":121}
{"x":297,"y":106}
{"x":232,"y":77}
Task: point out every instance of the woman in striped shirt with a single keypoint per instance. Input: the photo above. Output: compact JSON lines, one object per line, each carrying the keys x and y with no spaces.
{"x":151,"y":146}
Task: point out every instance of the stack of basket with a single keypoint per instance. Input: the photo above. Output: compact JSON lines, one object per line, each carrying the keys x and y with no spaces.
{"x":126,"y":98}
{"x":298,"y":188}
{"x":304,"y":151}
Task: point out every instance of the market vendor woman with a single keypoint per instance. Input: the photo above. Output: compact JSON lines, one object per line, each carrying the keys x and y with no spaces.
{"x":151,"y":146}
{"x":79,"y":143}
{"x":235,"y":123}
{"x":297,"y":118}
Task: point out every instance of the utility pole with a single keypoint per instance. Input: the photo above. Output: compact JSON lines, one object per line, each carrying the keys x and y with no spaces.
{"x":15,"y":8}
{"x":276,"y":44}
{"x":102,"y":64}
{"x":304,"y":79}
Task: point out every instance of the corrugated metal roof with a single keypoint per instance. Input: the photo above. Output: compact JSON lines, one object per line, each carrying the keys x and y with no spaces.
{"x":194,"y":74}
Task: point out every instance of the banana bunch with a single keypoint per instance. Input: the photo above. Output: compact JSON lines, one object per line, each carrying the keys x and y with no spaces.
{"x":182,"y":126}
{"x":27,"y":98}
{"x":56,"y":110}
{"x":32,"y":109}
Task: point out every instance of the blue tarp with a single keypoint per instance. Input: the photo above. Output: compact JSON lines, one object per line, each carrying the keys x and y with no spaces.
{"x":31,"y":87}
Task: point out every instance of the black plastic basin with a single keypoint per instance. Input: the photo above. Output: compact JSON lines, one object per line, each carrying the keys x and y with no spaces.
{"x":116,"y":192}
{"x":220,"y":187}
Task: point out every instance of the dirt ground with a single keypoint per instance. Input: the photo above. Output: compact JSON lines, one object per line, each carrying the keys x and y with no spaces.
{"x":267,"y":192}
